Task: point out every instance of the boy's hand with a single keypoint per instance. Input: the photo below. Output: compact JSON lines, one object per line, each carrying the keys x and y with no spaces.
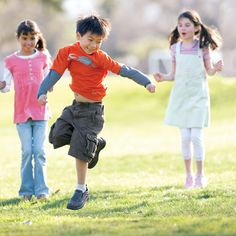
{"x":42,"y":99}
{"x":158,"y":77}
{"x":2,"y":84}
{"x":151,"y":88}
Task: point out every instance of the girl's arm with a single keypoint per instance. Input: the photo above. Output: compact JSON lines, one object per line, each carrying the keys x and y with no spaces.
{"x":212,"y":69}
{"x":165,"y":77}
{"x":6,"y":82}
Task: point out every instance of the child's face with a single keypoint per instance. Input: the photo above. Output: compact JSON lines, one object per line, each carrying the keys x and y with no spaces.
{"x":27,"y":43}
{"x":89,"y":42}
{"x":186,"y":29}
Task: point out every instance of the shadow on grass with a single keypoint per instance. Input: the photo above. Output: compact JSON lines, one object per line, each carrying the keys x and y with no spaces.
{"x":8,"y":202}
{"x":107,"y":203}
{"x":96,"y":196}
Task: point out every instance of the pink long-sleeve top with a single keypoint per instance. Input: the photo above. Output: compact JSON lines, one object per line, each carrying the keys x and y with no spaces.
{"x":27,"y":73}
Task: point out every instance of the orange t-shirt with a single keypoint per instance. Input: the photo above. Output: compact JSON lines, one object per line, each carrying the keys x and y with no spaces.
{"x":87,"y":71}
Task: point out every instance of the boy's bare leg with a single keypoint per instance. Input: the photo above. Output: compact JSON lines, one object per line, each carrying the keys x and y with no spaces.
{"x":81,"y":171}
{"x":81,"y":194}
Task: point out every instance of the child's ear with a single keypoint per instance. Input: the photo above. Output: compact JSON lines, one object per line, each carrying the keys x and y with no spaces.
{"x":197,"y":29}
{"x":78,"y":35}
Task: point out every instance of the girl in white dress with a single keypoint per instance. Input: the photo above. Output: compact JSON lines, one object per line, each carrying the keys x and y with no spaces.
{"x":189,"y":103}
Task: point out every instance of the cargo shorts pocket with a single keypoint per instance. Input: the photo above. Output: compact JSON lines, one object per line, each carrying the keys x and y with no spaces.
{"x":91,"y":145}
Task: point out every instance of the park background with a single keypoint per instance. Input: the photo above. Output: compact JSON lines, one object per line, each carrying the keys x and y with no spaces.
{"x":137,"y":187}
{"x":139,"y":27}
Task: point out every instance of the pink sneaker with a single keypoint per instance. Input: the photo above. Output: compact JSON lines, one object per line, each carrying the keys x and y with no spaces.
{"x":189,"y":182}
{"x":200,"y":182}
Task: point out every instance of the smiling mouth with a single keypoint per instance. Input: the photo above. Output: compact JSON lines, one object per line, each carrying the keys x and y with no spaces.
{"x":91,"y":51}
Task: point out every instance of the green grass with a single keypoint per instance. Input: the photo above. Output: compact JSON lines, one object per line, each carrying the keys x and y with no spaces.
{"x":137,"y":187}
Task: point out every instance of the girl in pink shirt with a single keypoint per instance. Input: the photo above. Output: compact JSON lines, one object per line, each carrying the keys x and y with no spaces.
{"x":27,"y":68}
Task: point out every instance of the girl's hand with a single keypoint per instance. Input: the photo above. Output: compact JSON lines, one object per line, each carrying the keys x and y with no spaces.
{"x":42,"y":99}
{"x":158,"y":77}
{"x":2,"y":84}
{"x":218,"y":65}
{"x":151,"y":88}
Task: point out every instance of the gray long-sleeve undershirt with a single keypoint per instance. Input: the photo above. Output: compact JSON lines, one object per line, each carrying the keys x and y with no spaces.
{"x":134,"y":74}
{"x":125,"y":71}
{"x":49,"y":81}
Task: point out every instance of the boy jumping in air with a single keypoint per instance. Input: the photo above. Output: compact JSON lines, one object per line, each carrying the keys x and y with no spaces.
{"x":80,"y":123}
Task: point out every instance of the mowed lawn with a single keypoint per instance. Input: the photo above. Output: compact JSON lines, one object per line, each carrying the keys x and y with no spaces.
{"x":137,"y":187}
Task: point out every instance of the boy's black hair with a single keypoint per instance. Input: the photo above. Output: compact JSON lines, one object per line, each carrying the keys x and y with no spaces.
{"x":94,"y":24}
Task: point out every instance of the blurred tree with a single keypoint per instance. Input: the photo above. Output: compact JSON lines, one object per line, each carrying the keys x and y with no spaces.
{"x":138,"y":26}
{"x":106,"y":7}
{"x":55,"y":4}
{"x":49,"y":16}
{"x":226,"y":21}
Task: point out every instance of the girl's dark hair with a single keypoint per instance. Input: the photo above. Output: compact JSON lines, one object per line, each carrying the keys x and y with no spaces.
{"x":94,"y":24}
{"x":208,"y":37}
{"x":30,"y":27}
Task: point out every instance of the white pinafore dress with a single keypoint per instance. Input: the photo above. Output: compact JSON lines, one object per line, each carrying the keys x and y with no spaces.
{"x":189,"y":103}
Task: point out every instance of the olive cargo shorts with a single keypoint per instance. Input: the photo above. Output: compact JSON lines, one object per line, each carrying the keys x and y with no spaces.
{"x":78,"y":126}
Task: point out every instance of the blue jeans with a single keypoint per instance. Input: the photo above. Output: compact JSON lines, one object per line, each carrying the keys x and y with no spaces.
{"x":33,"y":177}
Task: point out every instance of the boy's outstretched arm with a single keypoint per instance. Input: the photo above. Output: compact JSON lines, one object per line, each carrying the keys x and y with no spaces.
{"x":138,"y":77}
{"x":49,"y":81}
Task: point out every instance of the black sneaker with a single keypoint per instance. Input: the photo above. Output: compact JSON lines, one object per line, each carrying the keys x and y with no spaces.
{"x":78,"y":200}
{"x":101,"y":145}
